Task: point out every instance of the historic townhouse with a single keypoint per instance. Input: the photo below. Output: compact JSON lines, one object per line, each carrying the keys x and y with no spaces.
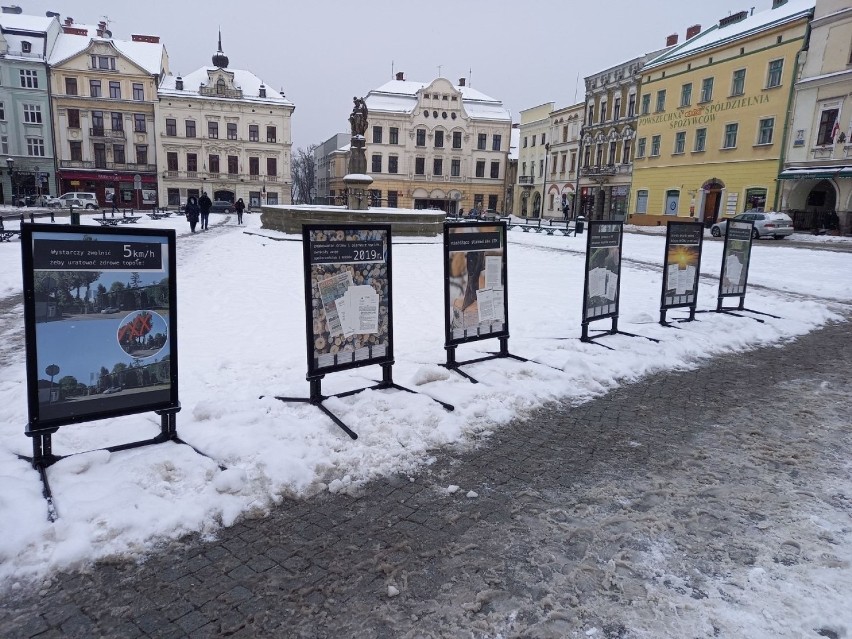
{"x":534,"y":131}
{"x":328,"y":166}
{"x":817,"y":179}
{"x":223,"y":131}
{"x":26,"y":132}
{"x":104,"y":91}
{"x":609,"y":129}
{"x":713,"y":114}
{"x":436,"y":145}
{"x":564,"y":150}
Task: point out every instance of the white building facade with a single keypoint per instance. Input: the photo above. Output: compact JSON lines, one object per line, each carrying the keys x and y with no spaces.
{"x":534,"y":137}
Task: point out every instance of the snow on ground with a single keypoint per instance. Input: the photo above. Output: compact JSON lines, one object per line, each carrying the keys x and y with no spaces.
{"x":241,"y":328}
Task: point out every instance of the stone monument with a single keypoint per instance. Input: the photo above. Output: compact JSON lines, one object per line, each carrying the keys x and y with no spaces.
{"x":357,"y":181}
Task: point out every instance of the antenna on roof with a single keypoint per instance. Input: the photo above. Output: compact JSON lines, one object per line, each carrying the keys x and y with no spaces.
{"x":469,"y":77}
{"x":440,"y":66}
{"x":391,"y":69}
{"x":576,"y":82}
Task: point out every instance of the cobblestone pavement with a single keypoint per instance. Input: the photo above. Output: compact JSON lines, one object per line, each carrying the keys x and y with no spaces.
{"x":567,"y":503}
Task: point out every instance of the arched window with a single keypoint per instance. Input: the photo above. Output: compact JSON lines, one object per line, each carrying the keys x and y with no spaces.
{"x":220,"y":87}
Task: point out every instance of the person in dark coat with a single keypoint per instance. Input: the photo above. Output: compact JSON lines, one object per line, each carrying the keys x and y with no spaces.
{"x":192,"y":212}
{"x":239,"y":207}
{"x":204,"y":204}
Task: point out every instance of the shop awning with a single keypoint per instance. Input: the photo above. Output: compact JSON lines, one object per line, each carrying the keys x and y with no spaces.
{"x":816,"y":173}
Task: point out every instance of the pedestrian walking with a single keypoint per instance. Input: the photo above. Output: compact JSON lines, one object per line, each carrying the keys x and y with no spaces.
{"x":192,"y":211}
{"x":204,"y":204}
{"x":239,"y":207}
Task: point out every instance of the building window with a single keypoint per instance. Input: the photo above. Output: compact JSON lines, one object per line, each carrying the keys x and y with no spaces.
{"x":212,"y":129}
{"x":377,"y":135}
{"x":172,"y":161}
{"x":26,"y":47}
{"x":755,"y":199}
{"x":393,"y":134}
{"x":612,"y":152}
{"x":271,"y":198}
{"x":591,"y":119}
{"x":74,"y":118}
{"x":254,"y":133}
{"x":190,"y":128}
{"x":776,"y":67}
{"x":29,"y":79}
{"x":100,"y":155}
{"x":730,"y":140}
{"x":661,"y":100}
{"x":115,"y":90}
{"x":707,"y":89}
{"x":103,"y":62}
{"x":220,"y":86}
{"x":393,"y":199}
{"x":738,"y":82}
{"x":97,"y":122}
{"x":70,"y":86}
{"x":233,"y":165}
{"x":76,"y":151}
{"x":495,"y":170}
{"x":171,"y":127}
{"x":35,"y":147}
{"x":616,"y":109}
{"x":272,"y":166}
{"x":543,"y":140}
{"x":642,"y":201}
{"x":139,"y":123}
{"x":477,"y":200}
{"x":142,"y":154}
{"x":271,"y":134}
{"x":439,"y":139}
{"x":765,"y":130}
{"x":481,"y":141}
{"x":455,"y":167}
{"x":496,"y":142}
{"x":32,"y":113}
{"x":118,"y":154}
{"x":573,"y":162}
{"x":686,"y":94}
{"x":646,"y":104}
{"x":680,"y":142}
{"x":117,"y":121}
{"x":420,"y":137}
{"x":232,"y":130}
{"x":94,"y":88}
{"x":827,"y":119}
{"x":191,"y":163}
{"x":631,"y":105}
{"x":213,"y":163}
{"x":457,"y":140}
{"x":586,"y":158}
{"x":672,"y":202}
{"x":419,"y":166}
{"x":480,"y":168}
{"x":437,"y":166}
{"x":492,"y":203}
{"x":564,"y":159}
{"x":625,"y":155}
{"x":525,"y":141}
{"x":700,"y":140}
{"x":655,"y":145}
{"x":375,"y":198}
{"x":138,"y":92}
{"x":393,"y":164}
{"x":603,"y":110}
{"x":173,"y":197}
{"x":377,"y":163}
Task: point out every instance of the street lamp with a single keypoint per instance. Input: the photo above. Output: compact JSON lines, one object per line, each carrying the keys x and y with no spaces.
{"x":312,"y":194}
{"x":10,"y":162}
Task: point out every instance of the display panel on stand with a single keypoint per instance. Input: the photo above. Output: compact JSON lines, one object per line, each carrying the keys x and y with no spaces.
{"x":682,"y":264}
{"x":100,"y":316}
{"x":603,"y":270}
{"x":347,"y":296}
{"x":735,"y":259}
{"x":475,"y":292}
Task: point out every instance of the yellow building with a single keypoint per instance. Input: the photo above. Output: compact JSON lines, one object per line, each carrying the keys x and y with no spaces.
{"x":712,"y":117}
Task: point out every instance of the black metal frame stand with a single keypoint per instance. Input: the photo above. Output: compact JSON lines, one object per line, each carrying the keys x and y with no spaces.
{"x":43,"y":456}
{"x":585,"y":337}
{"x":665,"y":322}
{"x":741,"y":307}
{"x":453,"y":365}
{"x":317,"y":398}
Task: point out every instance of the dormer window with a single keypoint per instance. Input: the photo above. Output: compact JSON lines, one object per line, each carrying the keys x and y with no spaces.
{"x":104,"y":62}
{"x":220,"y":87}
{"x":26,"y":47}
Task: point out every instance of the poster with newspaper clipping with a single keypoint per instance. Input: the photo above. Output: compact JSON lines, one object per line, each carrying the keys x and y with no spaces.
{"x":347,"y":296}
{"x":682,"y":264}
{"x":603,"y":270}
{"x":475,"y":294}
{"x":99,"y":310}
{"x":735,"y":259}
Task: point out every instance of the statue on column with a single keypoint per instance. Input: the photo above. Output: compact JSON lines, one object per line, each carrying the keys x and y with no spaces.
{"x":358,"y":146}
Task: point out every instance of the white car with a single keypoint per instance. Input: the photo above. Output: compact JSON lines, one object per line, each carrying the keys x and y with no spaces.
{"x":79,"y":199}
{"x":778,"y":225}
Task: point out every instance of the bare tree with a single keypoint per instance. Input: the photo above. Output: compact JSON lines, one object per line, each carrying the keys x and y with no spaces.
{"x":303,"y":171}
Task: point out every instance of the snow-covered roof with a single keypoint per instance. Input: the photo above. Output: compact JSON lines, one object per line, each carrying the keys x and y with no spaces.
{"x":245,"y":80}
{"x":18,"y":29}
{"x":23,"y":22}
{"x":400,"y":96}
{"x":147,"y":55}
{"x":717,"y":36}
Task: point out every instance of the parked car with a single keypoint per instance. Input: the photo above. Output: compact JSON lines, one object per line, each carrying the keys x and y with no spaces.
{"x":778,"y":225}
{"x":79,"y":199}
{"x":222,"y":206}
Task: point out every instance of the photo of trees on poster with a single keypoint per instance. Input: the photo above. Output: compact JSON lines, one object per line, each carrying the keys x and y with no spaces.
{"x":603,"y":267}
{"x":102,"y":336}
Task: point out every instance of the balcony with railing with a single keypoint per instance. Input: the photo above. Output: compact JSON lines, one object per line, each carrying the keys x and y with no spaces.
{"x":212,"y":92}
{"x":112,"y":166}
{"x":107,"y":133}
{"x":604,"y":170}
{"x":526,"y":180}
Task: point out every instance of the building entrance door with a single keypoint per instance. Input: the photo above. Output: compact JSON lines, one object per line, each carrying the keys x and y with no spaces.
{"x":712,"y":201}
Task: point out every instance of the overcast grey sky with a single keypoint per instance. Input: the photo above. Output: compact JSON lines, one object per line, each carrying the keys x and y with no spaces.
{"x":324,"y":52}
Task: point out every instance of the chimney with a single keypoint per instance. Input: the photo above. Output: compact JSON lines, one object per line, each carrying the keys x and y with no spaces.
{"x":262,"y":91}
{"x":145,"y":38}
{"x":13,"y":9}
{"x":69,"y":21}
{"x":400,"y":75}
{"x":101,"y":28}
{"x":693,"y":31}
{"x":778,"y":3}
{"x":737,"y":17}
{"x":52,"y":14}
{"x":179,"y":83}
{"x":671,"y":40}
{"x":461,"y":82}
